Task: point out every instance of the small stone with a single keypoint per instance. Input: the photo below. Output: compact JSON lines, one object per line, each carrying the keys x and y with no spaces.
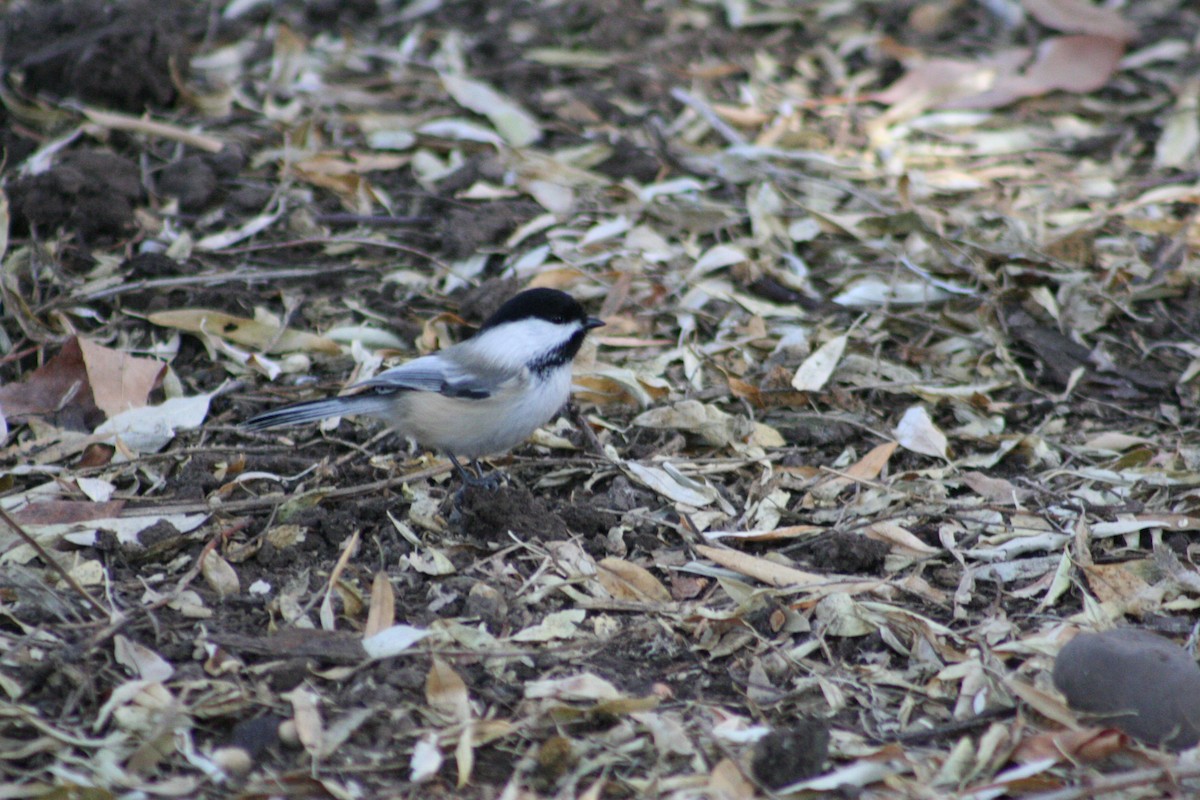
{"x":487,"y":603}
{"x":1135,"y":680}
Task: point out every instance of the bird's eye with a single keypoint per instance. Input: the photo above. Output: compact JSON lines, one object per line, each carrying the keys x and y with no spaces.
{"x":558,"y":319}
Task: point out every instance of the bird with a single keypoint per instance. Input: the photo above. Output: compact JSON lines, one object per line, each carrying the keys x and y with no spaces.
{"x":482,"y":396}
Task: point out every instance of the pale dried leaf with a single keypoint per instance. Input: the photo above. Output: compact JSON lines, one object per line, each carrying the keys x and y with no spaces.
{"x":817,"y":369}
{"x":916,"y":432}
{"x":247,"y":332}
{"x":557,"y":625}
{"x":514,"y":123}
{"x":626,"y":581}
{"x":446,"y":693}
{"x":220,"y":575}
{"x":382,"y":612}
{"x":150,"y":429}
{"x":392,"y":641}
{"x":426,"y":759}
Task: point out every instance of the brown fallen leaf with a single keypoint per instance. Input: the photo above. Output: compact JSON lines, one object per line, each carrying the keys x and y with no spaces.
{"x":866,"y":468}
{"x":1124,"y":585}
{"x":220,"y":575}
{"x":997,"y":490}
{"x":1078,"y":64}
{"x":930,"y":82}
{"x":119,"y":380}
{"x":306,"y":715}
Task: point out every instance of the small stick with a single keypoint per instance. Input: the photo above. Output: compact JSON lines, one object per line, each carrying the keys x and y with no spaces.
{"x":52,"y":562}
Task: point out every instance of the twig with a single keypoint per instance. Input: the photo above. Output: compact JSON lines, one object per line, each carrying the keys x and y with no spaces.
{"x":370,"y":219}
{"x":252,"y":248}
{"x":184,"y":581}
{"x":125,"y":122}
{"x":590,"y":435}
{"x":52,"y":562}
{"x":255,"y":503}
{"x":190,"y":280}
{"x":1112,"y":783}
{"x":951,"y":729}
{"x":701,"y":107}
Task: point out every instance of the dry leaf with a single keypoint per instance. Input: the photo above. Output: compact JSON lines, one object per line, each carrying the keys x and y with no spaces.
{"x":246,"y":332}
{"x":1083,"y":746}
{"x":816,"y":370}
{"x":220,"y":576}
{"x":711,"y":424}
{"x":446,"y":693}
{"x":141,"y":660}
{"x":784,"y":577}
{"x":382,"y":613}
{"x":150,"y":429}
{"x":306,"y":714}
{"x":916,"y":432}
{"x":1081,"y":16}
{"x":61,"y":383}
{"x":626,"y":581}
{"x":557,"y":625}
{"x":867,"y":468}
{"x":585,"y":686}
{"x":426,"y":759}
{"x":900,"y":538}
{"x":392,"y":641}
{"x":1077,"y":64}
{"x":118,"y":380}
{"x":516,"y":125}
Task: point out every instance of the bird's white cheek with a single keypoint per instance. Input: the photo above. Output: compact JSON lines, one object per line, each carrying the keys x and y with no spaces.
{"x":516,"y":344}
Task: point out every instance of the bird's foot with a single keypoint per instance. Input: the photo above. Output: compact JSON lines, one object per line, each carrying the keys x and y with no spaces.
{"x":474,"y":479}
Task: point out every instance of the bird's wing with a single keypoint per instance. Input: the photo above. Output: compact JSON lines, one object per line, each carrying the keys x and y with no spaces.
{"x":432,"y":373}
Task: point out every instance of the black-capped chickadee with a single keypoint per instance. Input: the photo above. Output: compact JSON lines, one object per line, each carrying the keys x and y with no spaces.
{"x":479,"y":397}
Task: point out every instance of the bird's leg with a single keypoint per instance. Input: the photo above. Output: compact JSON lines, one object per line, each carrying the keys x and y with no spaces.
{"x":474,"y":476}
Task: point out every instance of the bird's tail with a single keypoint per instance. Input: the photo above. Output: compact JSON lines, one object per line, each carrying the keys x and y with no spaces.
{"x":313,"y":410}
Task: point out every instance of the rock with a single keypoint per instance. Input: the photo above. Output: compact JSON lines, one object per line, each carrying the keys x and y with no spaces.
{"x":1137,"y":681}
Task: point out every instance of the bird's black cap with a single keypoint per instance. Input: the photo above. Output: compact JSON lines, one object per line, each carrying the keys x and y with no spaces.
{"x":548,"y":304}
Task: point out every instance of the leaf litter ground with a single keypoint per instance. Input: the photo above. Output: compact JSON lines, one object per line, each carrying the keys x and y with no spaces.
{"x":897,"y":393}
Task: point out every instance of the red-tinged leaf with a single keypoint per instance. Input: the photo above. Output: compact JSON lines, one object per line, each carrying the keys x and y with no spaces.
{"x":59,"y":386}
{"x":1078,"y":64}
{"x":1081,"y":16}
{"x":58,"y":512}
{"x":1086,"y":745}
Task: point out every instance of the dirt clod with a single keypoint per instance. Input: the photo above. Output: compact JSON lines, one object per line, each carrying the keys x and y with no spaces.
{"x":785,"y":756}
{"x":114,"y":54}
{"x":486,"y":515}
{"x":89,"y":192}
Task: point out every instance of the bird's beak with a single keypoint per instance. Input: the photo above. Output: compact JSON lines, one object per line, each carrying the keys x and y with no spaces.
{"x":593,"y":322}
